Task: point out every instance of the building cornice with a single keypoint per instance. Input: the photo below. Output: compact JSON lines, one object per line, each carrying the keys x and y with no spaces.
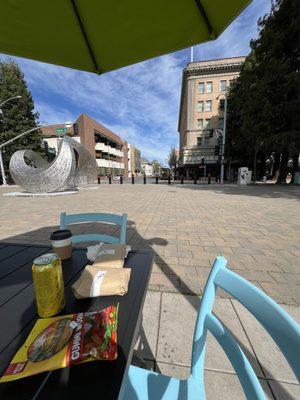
{"x":201,"y":69}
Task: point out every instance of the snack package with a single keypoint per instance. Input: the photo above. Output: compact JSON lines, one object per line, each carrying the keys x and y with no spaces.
{"x":111,"y":256}
{"x":98,"y":281}
{"x":58,"y":342}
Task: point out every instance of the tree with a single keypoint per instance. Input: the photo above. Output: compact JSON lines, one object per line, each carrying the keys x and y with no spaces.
{"x":262,"y":106}
{"x":172,"y":159}
{"x":156,"y":167}
{"x":18,"y":115}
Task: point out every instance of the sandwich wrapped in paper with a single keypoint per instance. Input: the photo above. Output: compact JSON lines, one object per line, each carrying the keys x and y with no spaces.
{"x":99,"y":281}
{"x":111,"y":255}
{"x":66,"y":340}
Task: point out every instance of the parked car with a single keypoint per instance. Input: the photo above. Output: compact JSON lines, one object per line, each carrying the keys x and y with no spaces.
{"x":165,"y":173}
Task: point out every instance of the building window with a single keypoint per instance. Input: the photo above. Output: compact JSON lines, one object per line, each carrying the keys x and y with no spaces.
{"x":200,"y":87}
{"x":221,"y":123}
{"x":200,"y":123}
{"x":222,"y":86}
{"x":208,"y":105}
{"x":209,"y":87}
{"x":208,"y":123}
{"x":199,"y":140}
{"x":200,"y":106}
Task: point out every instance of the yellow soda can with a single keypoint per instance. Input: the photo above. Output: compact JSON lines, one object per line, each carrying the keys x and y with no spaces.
{"x":48,"y":284}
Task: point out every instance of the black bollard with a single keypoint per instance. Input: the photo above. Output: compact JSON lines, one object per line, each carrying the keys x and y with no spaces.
{"x":181,"y":180}
{"x":156,"y":179}
{"x":169,"y":180}
{"x":121,"y":180}
{"x":109,"y":180}
{"x":132,"y":179}
{"x":99,"y":179}
{"x":195,"y":181}
{"x":144,"y":179}
{"x":208,"y":179}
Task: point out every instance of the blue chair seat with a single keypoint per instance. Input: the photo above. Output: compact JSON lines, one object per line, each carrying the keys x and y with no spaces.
{"x":153,"y":386}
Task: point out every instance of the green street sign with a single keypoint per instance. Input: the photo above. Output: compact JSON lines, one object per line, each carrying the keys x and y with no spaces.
{"x":61,"y":130}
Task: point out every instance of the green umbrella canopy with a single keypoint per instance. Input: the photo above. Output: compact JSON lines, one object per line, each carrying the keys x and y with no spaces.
{"x":103,"y":35}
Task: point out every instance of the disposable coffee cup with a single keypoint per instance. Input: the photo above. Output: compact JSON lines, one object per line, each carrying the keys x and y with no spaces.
{"x":62,"y":243}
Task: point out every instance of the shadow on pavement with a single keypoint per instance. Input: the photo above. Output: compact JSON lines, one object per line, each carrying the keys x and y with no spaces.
{"x":267,"y":375}
{"x":259,"y":190}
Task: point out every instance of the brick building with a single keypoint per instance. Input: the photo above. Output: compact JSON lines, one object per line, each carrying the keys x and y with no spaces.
{"x":110,"y":151}
{"x":201,"y":114}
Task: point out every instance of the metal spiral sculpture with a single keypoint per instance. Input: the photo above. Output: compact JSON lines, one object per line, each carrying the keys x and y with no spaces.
{"x":73,"y":166}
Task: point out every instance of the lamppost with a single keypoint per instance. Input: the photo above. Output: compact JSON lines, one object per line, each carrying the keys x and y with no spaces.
{"x":108,"y":158}
{"x":11,"y":98}
{"x":1,"y":159}
{"x":223,"y":137}
{"x":12,"y":140}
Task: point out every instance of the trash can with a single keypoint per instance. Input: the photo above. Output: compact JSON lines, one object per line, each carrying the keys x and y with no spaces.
{"x":297,"y":178}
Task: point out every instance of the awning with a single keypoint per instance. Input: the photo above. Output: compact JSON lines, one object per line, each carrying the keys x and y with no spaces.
{"x":103,"y":35}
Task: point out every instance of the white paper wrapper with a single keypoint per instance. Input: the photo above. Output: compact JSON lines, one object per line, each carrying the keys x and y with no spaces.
{"x":93,"y":251}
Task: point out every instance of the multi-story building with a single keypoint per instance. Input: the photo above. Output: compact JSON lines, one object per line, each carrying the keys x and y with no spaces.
{"x":201,"y":114}
{"x":146,"y":166}
{"x":109,"y":149}
{"x":134,"y":161}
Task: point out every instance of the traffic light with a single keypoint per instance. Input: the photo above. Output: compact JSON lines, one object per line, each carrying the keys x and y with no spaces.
{"x":220,"y":139}
{"x":209,"y":134}
{"x":222,"y":104}
{"x":202,"y":162}
{"x":217,"y":150}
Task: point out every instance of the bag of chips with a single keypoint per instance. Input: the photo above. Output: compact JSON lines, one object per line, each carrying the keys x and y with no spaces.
{"x":59,"y":342}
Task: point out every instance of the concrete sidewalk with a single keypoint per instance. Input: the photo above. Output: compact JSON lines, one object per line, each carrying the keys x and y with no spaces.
{"x":257,"y":228}
{"x":166,"y":343}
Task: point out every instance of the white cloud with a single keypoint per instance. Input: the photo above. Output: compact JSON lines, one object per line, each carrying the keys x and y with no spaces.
{"x":50,"y":114}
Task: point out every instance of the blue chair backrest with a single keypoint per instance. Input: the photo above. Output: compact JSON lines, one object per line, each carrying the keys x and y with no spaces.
{"x":277,"y":322}
{"x":95,"y":217}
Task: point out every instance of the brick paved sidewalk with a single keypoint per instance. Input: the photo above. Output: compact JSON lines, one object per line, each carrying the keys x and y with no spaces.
{"x":256,"y":228}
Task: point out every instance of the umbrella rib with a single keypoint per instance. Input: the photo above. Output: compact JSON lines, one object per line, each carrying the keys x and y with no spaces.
{"x":205,"y":19}
{"x":88,"y":45}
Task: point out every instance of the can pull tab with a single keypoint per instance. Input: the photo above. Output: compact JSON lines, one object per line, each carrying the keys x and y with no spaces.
{"x":73,"y":325}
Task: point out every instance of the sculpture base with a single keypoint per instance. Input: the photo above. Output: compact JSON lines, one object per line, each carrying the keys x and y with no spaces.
{"x":26,"y":194}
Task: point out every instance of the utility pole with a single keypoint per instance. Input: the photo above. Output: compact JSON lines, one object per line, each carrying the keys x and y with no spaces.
{"x":223,"y":140}
{"x":192,"y":53}
{"x":223,"y":137}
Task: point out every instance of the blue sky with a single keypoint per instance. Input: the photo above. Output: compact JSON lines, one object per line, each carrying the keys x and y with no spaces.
{"x":140,"y":102}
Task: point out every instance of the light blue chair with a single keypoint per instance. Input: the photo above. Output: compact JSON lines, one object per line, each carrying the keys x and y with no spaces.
{"x":141,"y":384}
{"x":121,"y":220}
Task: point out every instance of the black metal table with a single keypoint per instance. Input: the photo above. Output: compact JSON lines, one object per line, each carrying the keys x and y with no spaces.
{"x":102,"y":379}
